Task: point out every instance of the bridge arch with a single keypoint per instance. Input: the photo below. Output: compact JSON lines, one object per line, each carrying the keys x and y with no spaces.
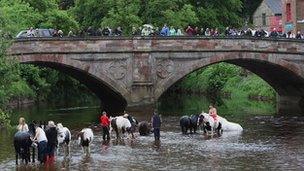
{"x":110,"y":94}
{"x":284,"y":76}
{"x":141,"y":69}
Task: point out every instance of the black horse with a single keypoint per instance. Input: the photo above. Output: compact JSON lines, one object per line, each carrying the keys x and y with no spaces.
{"x":23,"y":143}
{"x":191,"y":123}
{"x":144,"y":128}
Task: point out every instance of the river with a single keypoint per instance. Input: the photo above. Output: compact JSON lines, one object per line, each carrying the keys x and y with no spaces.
{"x":267,"y":142}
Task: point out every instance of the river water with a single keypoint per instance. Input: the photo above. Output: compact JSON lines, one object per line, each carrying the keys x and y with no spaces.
{"x":267,"y":142}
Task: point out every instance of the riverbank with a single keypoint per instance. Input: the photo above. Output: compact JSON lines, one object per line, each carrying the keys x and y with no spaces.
{"x":225,"y":80}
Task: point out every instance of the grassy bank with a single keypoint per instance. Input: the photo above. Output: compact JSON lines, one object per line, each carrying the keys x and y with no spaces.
{"x":228,"y":80}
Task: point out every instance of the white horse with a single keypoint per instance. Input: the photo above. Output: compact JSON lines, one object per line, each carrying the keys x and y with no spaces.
{"x":121,"y":125}
{"x":221,"y":124}
{"x":64,"y":138}
{"x":85,"y":138}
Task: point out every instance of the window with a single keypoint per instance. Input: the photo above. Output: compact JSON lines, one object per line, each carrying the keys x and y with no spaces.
{"x":264,"y":19}
{"x":288,"y":12}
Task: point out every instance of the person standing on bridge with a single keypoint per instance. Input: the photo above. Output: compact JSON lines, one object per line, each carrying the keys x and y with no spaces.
{"x":105,"y":124}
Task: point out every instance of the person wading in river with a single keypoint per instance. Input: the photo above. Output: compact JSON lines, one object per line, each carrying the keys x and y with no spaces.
{"x":105,"y":124}
{"x":40,"y":137}
{"x":156,"y":123}
{"x":51,"y":134}
{"x":22,"y":125}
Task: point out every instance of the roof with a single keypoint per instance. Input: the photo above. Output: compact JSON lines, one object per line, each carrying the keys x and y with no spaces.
{"x":275,"y":6}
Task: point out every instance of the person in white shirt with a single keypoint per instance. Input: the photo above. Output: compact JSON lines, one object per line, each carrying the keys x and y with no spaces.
{"x":40,"y":137}
{"x":22,"y":127}
{"x":31,"y":32}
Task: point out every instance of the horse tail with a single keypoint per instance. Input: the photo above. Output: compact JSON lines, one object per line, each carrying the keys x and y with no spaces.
{"x":114,"y":125}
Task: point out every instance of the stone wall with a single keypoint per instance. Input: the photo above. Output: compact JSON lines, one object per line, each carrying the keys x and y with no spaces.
{"x":258,"y":19}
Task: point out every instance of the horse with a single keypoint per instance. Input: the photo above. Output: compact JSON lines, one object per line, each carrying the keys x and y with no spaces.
{"x":134,"y":123}
{"x":144,"y":128}
{"x":222,"y":125}
{"x":23,"y":143}
{"x":121,"y":124}
{"x":85,"y":138}
{"x":210,"y":126}
{"x":191,"y":123}
{"x":63,"y":137}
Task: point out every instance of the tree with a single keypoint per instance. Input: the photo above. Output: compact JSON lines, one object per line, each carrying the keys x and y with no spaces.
{"x":42,"y":5}
{"x":59,"y":19}
{"x":122,"y":13}
{"x":17,"y":15}
{"x":181,"y":18}
{"x":220,"y":13}
{"x":89,"y":13}
{"x":11,"y":84}
{"x":65,"y":4}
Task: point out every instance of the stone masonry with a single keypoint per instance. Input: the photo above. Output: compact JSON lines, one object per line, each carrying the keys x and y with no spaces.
{"x":125,"y":72}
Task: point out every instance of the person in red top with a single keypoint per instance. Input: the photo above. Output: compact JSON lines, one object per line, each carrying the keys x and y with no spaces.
{"x":189,"y":31}
{"x":105,"y":124}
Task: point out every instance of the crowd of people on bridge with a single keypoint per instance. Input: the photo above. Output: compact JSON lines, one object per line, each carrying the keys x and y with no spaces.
{"x":149,"y":30}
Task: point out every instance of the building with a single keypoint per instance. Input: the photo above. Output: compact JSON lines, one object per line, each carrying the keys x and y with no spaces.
{"x":269,"y":15}
{"x":293,"y":15}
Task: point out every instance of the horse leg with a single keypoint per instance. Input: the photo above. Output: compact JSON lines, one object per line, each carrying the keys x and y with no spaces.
{"x":204,"y":129}
{"x":68,"y":149}
{"x":33,"y":154}
{"x":83,"y":149}
{"x":27,"y":155}
{"x":219,"y":128}
{"x":16,"y":158}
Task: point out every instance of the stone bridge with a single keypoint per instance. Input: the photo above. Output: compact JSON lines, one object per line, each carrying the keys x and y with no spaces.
{"x":125,"y":72}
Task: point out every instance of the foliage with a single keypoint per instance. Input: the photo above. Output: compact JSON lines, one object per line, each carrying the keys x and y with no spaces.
{"x":182,"y":17}
{"x":11,"y":84}
{"x":249,"y":8}
{"x":17,"y":15}
{"x":89,"y":13}
{"x":220,"y":13}
{"x":226,"y":78}
{"x":42,"y":5}
{"x":65,"y":4}
{"x":122,"y":13}
{"x":59,"y":19}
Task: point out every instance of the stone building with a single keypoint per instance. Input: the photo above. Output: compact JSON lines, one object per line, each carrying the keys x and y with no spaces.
{"x":268,"y":15}
{"x":293,"y":15}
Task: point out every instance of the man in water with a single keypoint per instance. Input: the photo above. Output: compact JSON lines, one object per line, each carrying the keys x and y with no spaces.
{"x":51,"y":135}
{"x":105,"y":124}
{"x":41,"y":138}
{"x":156,"y":123}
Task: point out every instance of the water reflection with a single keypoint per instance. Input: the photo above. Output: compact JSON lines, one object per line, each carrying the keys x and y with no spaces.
{"x":177,"y":104}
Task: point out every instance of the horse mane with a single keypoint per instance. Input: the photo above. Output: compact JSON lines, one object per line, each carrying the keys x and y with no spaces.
{"x":59,"y":126}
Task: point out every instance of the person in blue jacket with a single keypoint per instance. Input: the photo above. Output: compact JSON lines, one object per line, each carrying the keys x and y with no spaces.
{"x":165,"y":31}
